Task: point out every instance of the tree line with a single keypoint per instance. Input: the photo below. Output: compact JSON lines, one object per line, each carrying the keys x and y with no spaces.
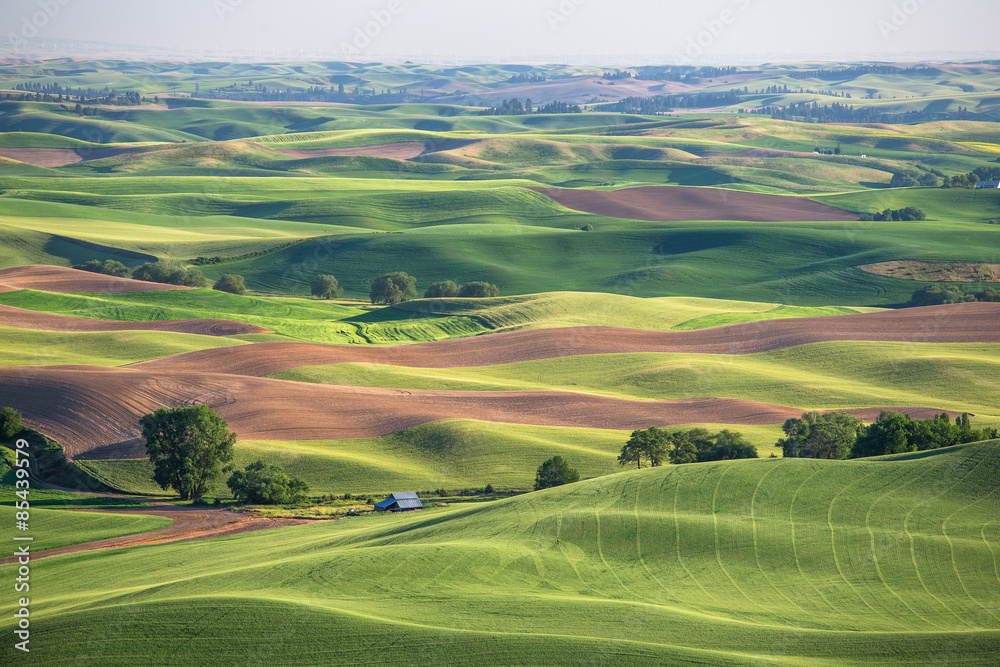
{"x":937,"y":294}
{"x":514,"y":107}
{"x":905,"y":214}
{"x":837,"y":435}
{"x":812,"y":112}
{"x":654,"y":446}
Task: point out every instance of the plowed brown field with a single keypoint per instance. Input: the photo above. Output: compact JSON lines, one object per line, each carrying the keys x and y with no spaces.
{"x":956,"y":323}
{"x":72,"y":281}
{"x":95,"y":412}
{"x":674,"y":203}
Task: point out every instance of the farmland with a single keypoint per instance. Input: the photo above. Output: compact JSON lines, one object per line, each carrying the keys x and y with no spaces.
{"x":695,"y":267}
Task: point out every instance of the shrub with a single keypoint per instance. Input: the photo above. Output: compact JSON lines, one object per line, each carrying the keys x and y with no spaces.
{"x":587,"y":228}
{"x":447,"y":288}
{"x":108,"y":267}
{"x":478,"y":290}
{"x":325,"y":287}
{"x":232,"y":283}
{"x":10,"y":423}
{"x":263,"y":484}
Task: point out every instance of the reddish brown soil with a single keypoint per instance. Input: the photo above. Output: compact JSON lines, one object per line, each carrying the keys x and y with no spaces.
{"x":672,"y":203}
{"x":956,"y":323}
{"x":59,"y":157}
{"x":71,"y":281}
{"x":94,"y":412}
{"x":190,"y":523}
{"x":29,"y":319}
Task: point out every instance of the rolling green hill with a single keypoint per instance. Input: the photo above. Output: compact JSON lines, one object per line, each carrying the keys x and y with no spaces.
{"x":766,"y":562}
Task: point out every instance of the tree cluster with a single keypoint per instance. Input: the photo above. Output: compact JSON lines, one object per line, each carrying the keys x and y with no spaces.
{"x":392,"y":288}
{"x":232,"y":283}
{"x":907,"y":214}
{"x":936,"y":294}
{"x":514,"y":107}
{"x":912,"y":179}
{"x":617,"y":75}
{"x":969,"y":180}
{"x":812,"y":112}
{"x":263,"y":484}
{"x":654,"y":445}
{"x":896,"y":433}
{"x":836,"y":435}
{"x":473,"y":290}
{"x":108,"y":267}
{"x":170,"y":273}
{"x":666,"y":103}
{"x":325,"y":287}
{"x":10,"y":423}
{"x":526,"y":77}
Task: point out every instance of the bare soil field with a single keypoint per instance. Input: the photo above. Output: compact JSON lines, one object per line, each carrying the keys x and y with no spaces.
{"x":60,"y":157}
{"x":72,"y":281}
{"x":675,"y":203}
{"x":954,"y":323}
{"x":94,"y":412}
{"x":936,"y":271}
{"x":189,"y":523}
{"x":29,"y":319}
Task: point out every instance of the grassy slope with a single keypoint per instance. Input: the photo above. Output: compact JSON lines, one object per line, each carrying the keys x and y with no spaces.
{"x":817,"y":376}
{"x":450,"y":454}
{"x":28,"y":347}
{"x":56,"y":528}
{"x":770,"y":562}
{"x":419,"y":320}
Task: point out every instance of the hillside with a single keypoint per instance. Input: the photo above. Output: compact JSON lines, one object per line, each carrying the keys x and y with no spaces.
{"x":769,"y":562}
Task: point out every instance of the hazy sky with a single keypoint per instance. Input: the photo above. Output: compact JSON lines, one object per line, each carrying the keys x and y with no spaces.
{"x":560,"y":29}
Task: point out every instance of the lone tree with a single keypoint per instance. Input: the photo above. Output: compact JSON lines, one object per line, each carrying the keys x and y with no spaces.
{"x":438,"y":290}
{"x":325,"y":287}
{"x":10,"y":423}
{"x":263,"y":484}
{"x":478,"y":290}
{"x":189,"y":447}
{"x":393,"y":288}
{"x":232,"y":283}
{"x":555,"y":472}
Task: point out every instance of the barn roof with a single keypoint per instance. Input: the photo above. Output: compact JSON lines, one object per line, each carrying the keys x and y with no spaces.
{"x":405,"y":500}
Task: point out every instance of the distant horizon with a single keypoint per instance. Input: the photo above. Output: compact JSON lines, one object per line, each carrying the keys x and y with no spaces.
{"x":70,"y":49}
{"x":585,"y":32}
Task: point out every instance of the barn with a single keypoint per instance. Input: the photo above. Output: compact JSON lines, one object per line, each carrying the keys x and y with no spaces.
{"x":399,"y":502}
{"x":988,"y":185}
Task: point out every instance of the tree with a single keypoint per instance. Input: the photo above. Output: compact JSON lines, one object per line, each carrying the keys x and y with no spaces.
{"x":478,"y":290}
{"x":447,"y":288}
{"x":10,"y":423}
{"x":263,"y":484}
{"x":650,"y":444}
{"x":108,"y":267}
{"x":325,"y":287}
{"x":555,"y":472}
{"x":393,"y":288}
{"x":232,"y":283}
{"x":189,"y":447}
